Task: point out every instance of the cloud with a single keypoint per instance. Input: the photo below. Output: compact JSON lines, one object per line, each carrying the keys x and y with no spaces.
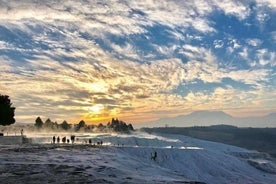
{"x":262,"y":17}
{"x":255,"y":42}
{"x":218,"y":44}
{"x":265,"y":57}
{"x":244,"y":53}
{"x":273,"y":36}
{"x":110,"y":82}
{"x":235,"y":8}
{"x":114,"y":17}
{"x":81,"y":57}
{"x":202,"y":25}
{"x":270,"y":3}
{"x":196,"y":53}
{"x":253,"y":77}
{"x":96,"y":77}
{"x":120,"y":86}
{"x":126,"y":50}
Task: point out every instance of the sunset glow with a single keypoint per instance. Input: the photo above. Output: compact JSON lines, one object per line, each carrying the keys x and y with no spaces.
{"x":137,"y":60}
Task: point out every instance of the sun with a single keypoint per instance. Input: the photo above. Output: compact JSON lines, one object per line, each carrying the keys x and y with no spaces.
{"x":97,"y":108}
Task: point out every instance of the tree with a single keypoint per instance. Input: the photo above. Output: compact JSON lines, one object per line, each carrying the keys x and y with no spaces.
{"x":65,"y":126}
{"x":80,"y":125}
{"x":130,"y":127}
{"x":49,"y":124}
{"x":38,"y":122}
{"x":6,"y":111}
{"x":119,"y":126}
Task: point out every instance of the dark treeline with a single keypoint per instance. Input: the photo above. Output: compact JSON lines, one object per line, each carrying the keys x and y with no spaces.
{"x":6,"y":111}
{"x":115,"y":125}
{"x":260,"y":139}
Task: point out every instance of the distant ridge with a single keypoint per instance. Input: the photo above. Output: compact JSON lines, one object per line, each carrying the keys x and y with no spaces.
{"x":207,"y":118}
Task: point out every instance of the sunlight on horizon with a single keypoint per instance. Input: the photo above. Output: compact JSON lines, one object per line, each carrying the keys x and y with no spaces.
{"x":70,"y":61}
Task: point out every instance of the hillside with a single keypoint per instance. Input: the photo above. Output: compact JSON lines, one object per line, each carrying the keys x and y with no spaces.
{"x":207,"y":118}
{"x":260,"y":139}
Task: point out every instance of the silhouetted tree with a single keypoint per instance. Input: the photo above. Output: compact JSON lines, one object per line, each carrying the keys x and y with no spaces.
{"x":38,"y":122}
{"x":80,"y":125}
{"x":130,"y":127}
{"x":55,"y":124}
{"x":119,"y":126}
{"x":101,"y":127}
{"x":6,"y":111}
{"x":65,"y":126}
{"x":49,"y":124}
{"x":90,"y":127}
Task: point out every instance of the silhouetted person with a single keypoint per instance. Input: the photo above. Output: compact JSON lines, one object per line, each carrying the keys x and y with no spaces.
{"x":58,"y":139}
{"x":154,"y":156}
{"x":21,"y":132}
{"x":54,"y":139}
{"x":101,"y":142}
{"x":64,"y":140}
{"x":90,"y":141}
{"x":68,"y":141}
{"x":72,"y":139}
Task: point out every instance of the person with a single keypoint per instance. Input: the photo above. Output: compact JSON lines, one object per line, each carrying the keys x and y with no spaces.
{"x":58,"y":139}
{"x":154,"y":156}
{"x":21,"y":132}
{"x":72,"y":139}
{"x":54,"y":139}
{"x":64,"y":140}
{"x":90,"y":141}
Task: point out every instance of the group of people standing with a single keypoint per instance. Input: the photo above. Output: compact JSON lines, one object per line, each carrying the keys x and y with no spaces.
{"x":72,"y":140}
{"x":64,"y":139}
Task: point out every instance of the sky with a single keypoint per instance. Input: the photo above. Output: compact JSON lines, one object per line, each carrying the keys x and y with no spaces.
{"x":137,"y":60}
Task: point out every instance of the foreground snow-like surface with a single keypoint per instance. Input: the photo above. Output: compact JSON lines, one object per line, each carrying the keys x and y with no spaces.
{"x":127,"y":159}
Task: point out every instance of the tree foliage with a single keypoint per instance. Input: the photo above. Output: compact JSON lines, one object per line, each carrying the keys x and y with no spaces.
{"x":115,"y":125}
{"x":38,"y":122}
{"x":119,"y":126}
{"x":81,"y":125}
{"x":6,"y":111}
{"x":48,"y":123}
{"x":65,"y":126}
